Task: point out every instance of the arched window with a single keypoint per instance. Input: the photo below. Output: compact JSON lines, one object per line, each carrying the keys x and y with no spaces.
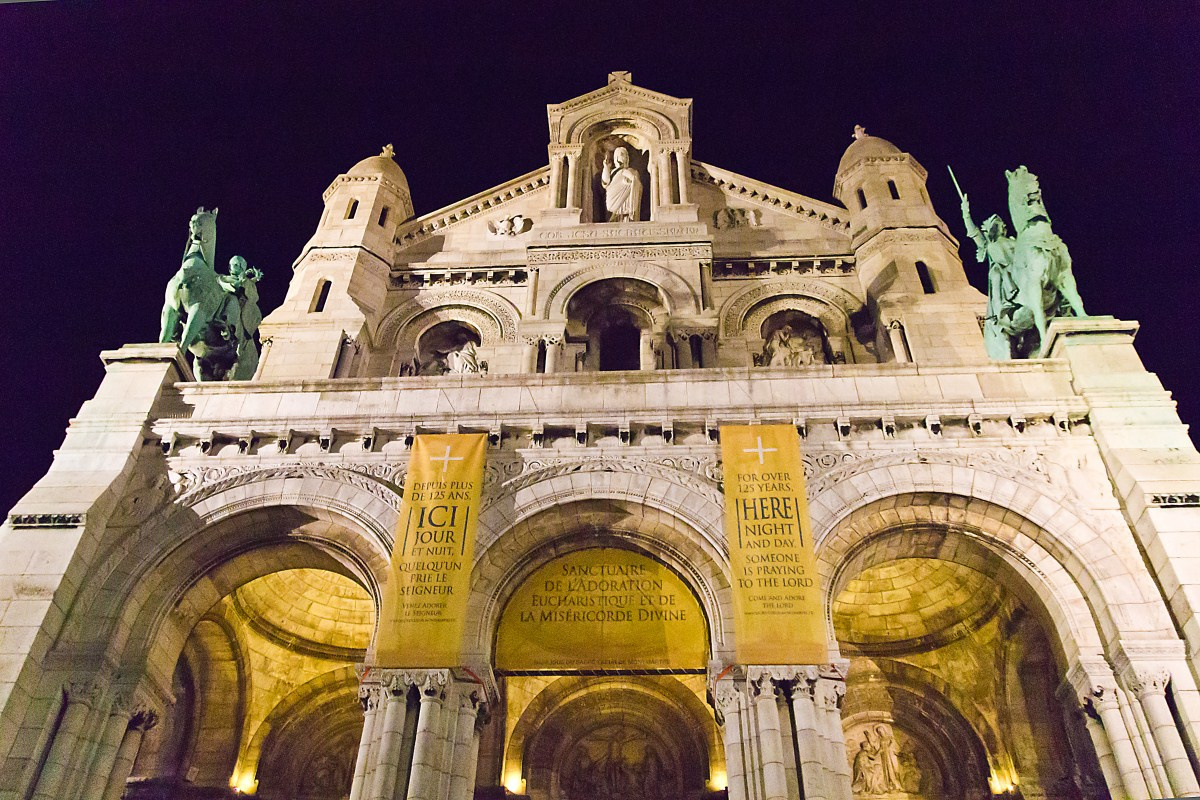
{"x":892,"y":188}
{"x":926,"y":278}
{"x":383,"y":215}
{"x":320,"y":296}
{"x":862,"y":199}
{"x":352,"y":209}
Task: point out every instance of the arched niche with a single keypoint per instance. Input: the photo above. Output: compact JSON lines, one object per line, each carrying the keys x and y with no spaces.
{"x":616,"y":324}
{"x":620,"y":178}
{"x":792,"y":338}
{"x":450,"y":346}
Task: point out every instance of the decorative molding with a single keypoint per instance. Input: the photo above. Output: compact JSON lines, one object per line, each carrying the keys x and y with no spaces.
{"x":504,"y":313}
{"x":733,"y":314}
{"x":440,"y":220}
{"x":682,"y":298}
{"x":636,"y":232}
{"x":197,"y":484}
{"x":779,"y":199}
{"x":471,"y":276}
{"x":1186,"y":500}
{"x":698,"y":473}
{"x":47,"y":520}
{"x":727,"y":269}
{"x":631,"y":253}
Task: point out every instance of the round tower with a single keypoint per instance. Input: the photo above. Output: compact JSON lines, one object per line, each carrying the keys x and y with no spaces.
{"x":906,"y":258}
{"x":340,"y":282}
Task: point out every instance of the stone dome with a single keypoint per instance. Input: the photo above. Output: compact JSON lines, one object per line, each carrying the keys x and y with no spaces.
{"x":382,"y":164}
{"x":866,"y":146}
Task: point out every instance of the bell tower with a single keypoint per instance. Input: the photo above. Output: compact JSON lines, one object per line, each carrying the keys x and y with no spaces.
{"x":340,"y":282}
{"x":908,"y":262}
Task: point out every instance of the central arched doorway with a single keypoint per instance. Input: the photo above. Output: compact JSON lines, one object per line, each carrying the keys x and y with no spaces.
{"x":602,"y":651}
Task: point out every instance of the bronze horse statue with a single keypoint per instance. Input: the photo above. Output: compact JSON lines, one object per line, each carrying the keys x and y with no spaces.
{"x":1041,"y":267}
{"x":214,"y":317}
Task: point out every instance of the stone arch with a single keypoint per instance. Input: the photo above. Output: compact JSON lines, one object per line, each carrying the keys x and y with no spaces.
{"x":658,"y":700}
{"x":543,"y":518}
{"x":494,"y":317}
{"x":332,"y":698}
{"x":1075,"y":573}
{"x":151,"y":592}
{"x":648,"y":122}
{"x":679,"y":297}
{"x":218,"y":658}
{"x":831,"y":305}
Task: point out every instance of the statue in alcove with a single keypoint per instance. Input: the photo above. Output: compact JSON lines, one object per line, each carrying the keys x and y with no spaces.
{"x":622,"y":187}
{"x":788,"y":348}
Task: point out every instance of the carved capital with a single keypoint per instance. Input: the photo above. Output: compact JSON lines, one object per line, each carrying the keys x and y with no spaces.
{"x":143,"y":719}
{"x":1147,"y":681}
{"x":830,"y":693}
{"x":85,"y":692}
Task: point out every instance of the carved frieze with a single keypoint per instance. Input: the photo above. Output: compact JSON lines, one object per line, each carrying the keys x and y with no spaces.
{"x":642,"y":253}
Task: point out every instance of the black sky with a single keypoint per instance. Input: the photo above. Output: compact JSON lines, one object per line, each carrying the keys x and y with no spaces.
{"x":117,"y":120}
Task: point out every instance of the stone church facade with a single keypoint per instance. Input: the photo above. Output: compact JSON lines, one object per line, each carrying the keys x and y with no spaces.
{"x":188,"y":598}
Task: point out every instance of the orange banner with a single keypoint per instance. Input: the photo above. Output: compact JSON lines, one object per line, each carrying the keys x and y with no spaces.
{"x":776,"y":591}
{"x":425,"y":599}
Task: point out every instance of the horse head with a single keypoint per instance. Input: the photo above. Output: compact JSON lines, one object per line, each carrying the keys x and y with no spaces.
{"x":1025,"y":199}
{"x":202,"y":235}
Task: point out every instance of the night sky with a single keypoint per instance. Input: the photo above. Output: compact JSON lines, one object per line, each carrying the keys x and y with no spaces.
{"x":117,"y":121}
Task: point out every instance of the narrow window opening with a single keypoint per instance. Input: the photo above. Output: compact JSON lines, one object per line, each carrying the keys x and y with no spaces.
{"x":892,"y":188}
{"x":383,"y":215}
{"x":862,"y":199}
{"x":541,"y":356}
{"x":352,"y":209}
{"x":696,"y":344}
{"x":926,"y":278}
{"x":321,"y":296}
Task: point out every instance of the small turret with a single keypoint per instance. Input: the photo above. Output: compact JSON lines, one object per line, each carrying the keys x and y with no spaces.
{"x":907,"y":260}
{"x":340,"y":282}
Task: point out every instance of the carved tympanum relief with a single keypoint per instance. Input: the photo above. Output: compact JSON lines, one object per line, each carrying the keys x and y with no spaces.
{"x":618,"y":764}
{"x":510,"y":226}
{"x":729,"y":218}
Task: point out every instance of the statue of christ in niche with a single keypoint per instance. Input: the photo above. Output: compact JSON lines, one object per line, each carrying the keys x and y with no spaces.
{"x":622,"y":187}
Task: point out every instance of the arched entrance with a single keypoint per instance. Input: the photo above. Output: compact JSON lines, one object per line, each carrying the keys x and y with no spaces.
{"x":953,"y":687}
{"x":601,"y":651}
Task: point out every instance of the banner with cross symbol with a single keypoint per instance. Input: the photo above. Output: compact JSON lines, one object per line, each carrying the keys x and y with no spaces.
{"x":777,"y":605}
{"x":425,"y":600}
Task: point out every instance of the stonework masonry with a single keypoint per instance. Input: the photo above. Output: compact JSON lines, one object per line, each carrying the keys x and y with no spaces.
{"x":1007,"y":549}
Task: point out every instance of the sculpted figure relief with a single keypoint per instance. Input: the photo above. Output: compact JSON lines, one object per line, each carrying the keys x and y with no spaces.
{"x":214,"y":317}
{"x":876,"y":766}
{"x":1029,"y":275}
{"x":787,"y":348}
{"x":622,"y":187}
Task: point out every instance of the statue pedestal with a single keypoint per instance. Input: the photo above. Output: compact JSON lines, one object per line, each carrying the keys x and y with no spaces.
{"x":560,"y":217}
{"x":680,"y":212}
{"x":1064,"y":332}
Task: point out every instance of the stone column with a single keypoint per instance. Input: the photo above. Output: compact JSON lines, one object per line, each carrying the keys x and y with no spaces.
{"x":368,"y":696}
{"x":646,"y":359}
{"x":830,"y":690}
{"x":572,"y":180}
{"x":553,"y":351}
{"x":393,"y":704}
{"x":812,"y":767}
{"x":683,"y":350}
{"x":770,"y":740}
{"x":729,"y":703}
{"x":466,"y":747}
{"x":106,"y":750}
{"x":708,"y":348}
{"x":423,"y":780}
{"x":555,"y":177}
{"x":141,"y":721}
{"x":682,"y":175}
{"x":80,"y":698}
{"x":1104,"y":754}
{"x":530,"y":355}
{"x":1104,"y":701}
{"x":1150,"y":686}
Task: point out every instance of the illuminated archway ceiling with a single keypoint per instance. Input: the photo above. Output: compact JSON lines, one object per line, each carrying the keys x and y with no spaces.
{"x":310,"y":610}
{"x":913,"y":604}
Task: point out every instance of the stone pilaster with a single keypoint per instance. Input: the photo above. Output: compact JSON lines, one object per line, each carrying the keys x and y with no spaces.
{"x":1096,"y":686}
